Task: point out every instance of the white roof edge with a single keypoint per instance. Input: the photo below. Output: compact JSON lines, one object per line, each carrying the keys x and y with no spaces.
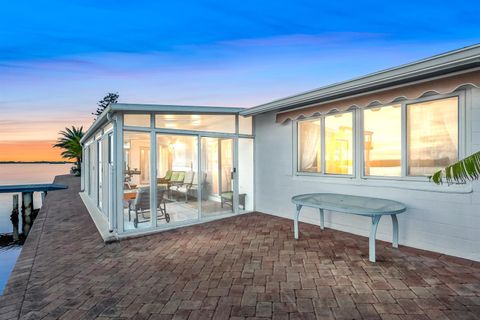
{"x":101,"y":120}
{"x":173,"y":108}
{"x":134,"y":107}
{"x":431,"y":65}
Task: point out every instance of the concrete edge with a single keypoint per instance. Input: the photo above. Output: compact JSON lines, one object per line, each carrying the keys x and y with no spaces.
{"x":98,"y":219}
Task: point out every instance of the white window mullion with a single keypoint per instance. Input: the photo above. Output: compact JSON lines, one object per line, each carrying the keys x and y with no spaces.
{"x":322,"y":145}
{"x":404,"y":158}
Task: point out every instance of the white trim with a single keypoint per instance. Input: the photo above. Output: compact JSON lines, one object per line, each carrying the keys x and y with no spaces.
{"x":98,"y":218}
{"x":163,"y":108}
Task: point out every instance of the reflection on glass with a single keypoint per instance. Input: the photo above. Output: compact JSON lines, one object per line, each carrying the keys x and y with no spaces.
{"x":339,"y":143}
{"x":309,"y":159}
{"x":136,"y":120}
{"x":245,"y":174}
{"x":177,"y":178}
{"x":136,"y":171}
{"x":197,"y":122}
{"x":383,"y":141}
{"x":217,"y":167}
{"x":432,"y":135}
{"x":245,"y":125}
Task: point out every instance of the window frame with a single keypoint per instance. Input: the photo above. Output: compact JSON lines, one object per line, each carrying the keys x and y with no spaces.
{"x":322,"y":146}
{"x":359,"y":139}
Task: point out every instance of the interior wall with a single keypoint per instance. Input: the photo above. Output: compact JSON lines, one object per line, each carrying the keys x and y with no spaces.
{"x":439,"y":220}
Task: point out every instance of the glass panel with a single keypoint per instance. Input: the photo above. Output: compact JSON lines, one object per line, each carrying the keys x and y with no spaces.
{"x":309,"y":159}
{"x":217,"y":166}
{"x":339,"y":143}
{"x":177,"y":178}
{"x":136,"y":170}
{"x":245,"y":174}
{"x":136,"y":120}
{"x":197,"y":122}
{"x":432,"y":135}
{"x":245,"y":125}
{"x":383,"y":141}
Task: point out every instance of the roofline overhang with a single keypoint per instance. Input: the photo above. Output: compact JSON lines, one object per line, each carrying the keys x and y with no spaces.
{"x":161,"y":108}
{"x":453,"y":61}
{"x":100,"y":121}
{"x":134,"y":107}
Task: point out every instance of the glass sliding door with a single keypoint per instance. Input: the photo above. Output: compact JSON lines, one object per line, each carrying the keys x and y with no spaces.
{"x":217,"y":176}
{"x":177,"y":178}
{"x":136,"y":187}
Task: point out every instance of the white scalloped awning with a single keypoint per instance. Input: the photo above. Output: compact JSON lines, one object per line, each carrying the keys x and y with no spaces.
{"x":387,"y":96}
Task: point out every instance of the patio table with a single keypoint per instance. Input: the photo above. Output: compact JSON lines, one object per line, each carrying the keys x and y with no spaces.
{"x":374,"y":208}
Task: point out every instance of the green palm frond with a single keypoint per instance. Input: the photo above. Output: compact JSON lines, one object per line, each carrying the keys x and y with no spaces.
{"x":462,"y":171}
{"x":69,"y":141}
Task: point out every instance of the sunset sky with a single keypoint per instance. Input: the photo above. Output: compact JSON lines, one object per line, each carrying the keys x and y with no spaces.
{"x":57,"y":59}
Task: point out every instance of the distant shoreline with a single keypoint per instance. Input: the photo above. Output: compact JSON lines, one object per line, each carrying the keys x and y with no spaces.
{"x":35,"y":162}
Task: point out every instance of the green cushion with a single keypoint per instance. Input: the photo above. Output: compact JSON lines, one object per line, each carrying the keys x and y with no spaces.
{"x":168,"y":175}
{"x":174,"y":176}
{"x":227,"y":195}
{"x":181,"y":176}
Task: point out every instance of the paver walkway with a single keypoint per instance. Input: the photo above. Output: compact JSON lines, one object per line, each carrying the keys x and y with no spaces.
{"x":241,"y":267}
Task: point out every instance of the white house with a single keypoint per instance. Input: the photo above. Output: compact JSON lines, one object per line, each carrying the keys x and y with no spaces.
{"x":380,"y":135}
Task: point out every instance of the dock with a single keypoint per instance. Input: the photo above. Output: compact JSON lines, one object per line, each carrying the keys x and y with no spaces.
{"x":241,"y":267}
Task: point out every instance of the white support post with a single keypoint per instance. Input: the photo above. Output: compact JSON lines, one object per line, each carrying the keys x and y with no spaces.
{"x":118,"y":161}
{"x":27,"y":208}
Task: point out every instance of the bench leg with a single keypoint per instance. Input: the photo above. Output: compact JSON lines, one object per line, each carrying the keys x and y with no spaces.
{"x":322,"y":219}
{"x":295,"y":221}
{"x":373,"y":233}
{"x":395,"y":231}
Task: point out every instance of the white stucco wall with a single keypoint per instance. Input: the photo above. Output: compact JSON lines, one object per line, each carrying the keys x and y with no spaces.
{"x":441,"y":219}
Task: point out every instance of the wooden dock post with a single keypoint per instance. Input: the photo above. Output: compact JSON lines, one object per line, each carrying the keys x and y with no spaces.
{"x":14,"y":218}
{"x":27,"y":211}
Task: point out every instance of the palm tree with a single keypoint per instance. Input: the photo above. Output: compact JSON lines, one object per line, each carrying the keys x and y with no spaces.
{"x":69,"y":141}
{"x":462,"y":171}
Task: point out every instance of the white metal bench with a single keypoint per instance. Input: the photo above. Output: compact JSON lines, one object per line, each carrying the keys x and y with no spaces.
{"x":363,"y":206}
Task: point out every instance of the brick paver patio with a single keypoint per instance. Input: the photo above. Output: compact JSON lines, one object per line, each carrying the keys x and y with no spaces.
{"x":242,"y":267}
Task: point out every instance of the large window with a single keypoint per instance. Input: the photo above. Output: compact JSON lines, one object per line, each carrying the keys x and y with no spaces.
{"x":338,"y":149}
{"x":197,"y":122}
{"x":432,"y":135}
{"x":136,"y":120}
{"x":383,"y":141}
{"x":405,"y":139}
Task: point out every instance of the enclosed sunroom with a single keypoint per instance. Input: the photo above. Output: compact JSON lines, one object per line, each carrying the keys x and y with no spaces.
{"x":153,"y":167}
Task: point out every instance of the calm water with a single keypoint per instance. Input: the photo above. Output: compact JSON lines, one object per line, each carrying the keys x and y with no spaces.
{"x":20,"y":174}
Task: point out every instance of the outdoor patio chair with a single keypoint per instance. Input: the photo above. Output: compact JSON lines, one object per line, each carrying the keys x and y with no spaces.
{"x":141,"y":205}
{"x":188,"y":181}
{"x":175,"y":180}
{"x":166,"y":178}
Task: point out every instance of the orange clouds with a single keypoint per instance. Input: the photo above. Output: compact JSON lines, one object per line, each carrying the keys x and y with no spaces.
{"x":41,"y":150}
